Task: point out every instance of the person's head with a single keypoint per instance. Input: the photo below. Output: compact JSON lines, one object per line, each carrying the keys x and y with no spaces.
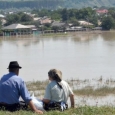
{"x":55,"y":74}
{"x":14,"y":67}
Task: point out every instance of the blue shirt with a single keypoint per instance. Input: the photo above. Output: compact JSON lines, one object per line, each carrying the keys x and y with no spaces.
{"x":11,"y":88}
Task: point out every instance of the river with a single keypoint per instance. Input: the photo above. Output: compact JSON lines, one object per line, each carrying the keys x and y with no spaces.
{"x":77,"y":55}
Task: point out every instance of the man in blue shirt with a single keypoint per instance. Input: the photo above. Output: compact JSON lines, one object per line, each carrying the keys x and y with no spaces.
{"x":12,"y":87}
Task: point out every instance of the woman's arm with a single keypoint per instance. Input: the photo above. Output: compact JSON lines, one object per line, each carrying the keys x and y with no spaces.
{"x":72,"y":100}
{"x":47,"y":95}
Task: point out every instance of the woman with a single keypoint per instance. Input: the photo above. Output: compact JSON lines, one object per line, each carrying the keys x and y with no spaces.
{"x":57,"y":90}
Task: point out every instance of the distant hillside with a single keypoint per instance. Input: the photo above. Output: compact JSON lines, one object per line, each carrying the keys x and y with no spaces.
{"x":39,"y":4}
{"x":91,"y":3}
{"x":54,"y":4}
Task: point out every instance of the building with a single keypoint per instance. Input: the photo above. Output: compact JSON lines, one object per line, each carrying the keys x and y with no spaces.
{"x":58,"y":24}
{"x":85,"y":23}
{"x":16,"y":29}
{"x":103,"y":11}
{"x":45,"y":20}
{"x":97,"y":28}
{"x":2,"y":16}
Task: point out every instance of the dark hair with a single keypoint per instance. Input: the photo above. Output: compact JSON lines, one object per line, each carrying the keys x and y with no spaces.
{"x":54,"y":74}
{"x":12,"y":69}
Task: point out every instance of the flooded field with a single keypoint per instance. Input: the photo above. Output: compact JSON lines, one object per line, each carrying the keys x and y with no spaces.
{"x":77,"y":55}
{"x":90,"y":92}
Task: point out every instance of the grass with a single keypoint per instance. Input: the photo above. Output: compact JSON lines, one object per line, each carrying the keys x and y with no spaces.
{"x":37,"y":85}
{"x":80,"y":110}
{"x":40,"y":86}
{"x":103,"y":91}
{"x":86,"y":110}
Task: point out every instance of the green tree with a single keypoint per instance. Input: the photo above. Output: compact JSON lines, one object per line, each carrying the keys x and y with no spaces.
{"x":26,"y":18}
{"x":93,"y":19}
{"x":108,"y":23}
{"x":112,"y":12}
{"x":18,"y":18}
{"x":85,"y":12}
{"x":55,"y":16}
{"x":65,"y":14}
{"x":12,"y":18}
{"x":74,"y":21}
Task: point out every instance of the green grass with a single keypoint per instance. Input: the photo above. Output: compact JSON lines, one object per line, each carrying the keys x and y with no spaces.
{"x":86,"y":110}
{"x":40,"y":86}
{"x":37,"y":85}
{"x":81,"y":110}
{"x":103,"y":91}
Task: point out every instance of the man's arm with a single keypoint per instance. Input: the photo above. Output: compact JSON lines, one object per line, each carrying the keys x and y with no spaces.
{"x":34,"y":108}
{"x":26,"y":97}
{"x":72,"y":100}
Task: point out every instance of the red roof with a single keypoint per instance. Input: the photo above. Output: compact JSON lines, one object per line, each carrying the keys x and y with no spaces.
{"x":102,"y":11}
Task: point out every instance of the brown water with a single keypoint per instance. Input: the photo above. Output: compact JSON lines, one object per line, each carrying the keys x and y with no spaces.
{"x":78,"y":56}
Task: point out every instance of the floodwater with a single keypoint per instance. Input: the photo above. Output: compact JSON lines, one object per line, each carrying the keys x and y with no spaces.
{"x":77,"y":55}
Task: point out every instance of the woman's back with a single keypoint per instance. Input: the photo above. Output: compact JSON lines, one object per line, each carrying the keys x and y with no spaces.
{"x":55,"y":93}
{"x":58,"y":90}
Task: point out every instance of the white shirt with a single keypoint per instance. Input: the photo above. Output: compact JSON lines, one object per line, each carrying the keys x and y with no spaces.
{"x":55,"y":93}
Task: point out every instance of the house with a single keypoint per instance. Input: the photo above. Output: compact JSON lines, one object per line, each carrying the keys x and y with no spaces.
{"x":2,"y":16}
{"x":97,"y":28}
{"x":28,"y":13}
{"x":58,"y":24}
{"x":99,"y":22}
{"x":103,"y":11}
{"x":16,"y":29}
{"x":45,"y":20}
{"x":36,"y":18}
{"x":3,"y":21}
{"x":75,"y":28}
{"x":33,"y":27}
{"x":85,"y":23}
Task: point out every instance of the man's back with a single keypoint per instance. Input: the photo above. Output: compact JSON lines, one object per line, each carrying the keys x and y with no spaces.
{"x":11,"y":88}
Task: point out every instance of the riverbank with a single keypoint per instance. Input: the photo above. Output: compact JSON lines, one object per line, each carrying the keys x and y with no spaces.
{"x":72,"y":33}
{"x":88,"y":87}
{"x":77,"y":34}
{"x":63,"y":33}
{"x":94,"y":92}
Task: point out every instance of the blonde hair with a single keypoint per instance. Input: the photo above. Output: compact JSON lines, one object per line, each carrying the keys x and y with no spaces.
{"x":56,"y":75}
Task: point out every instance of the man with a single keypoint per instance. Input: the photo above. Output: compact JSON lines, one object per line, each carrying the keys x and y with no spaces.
{"x":11,"y":88}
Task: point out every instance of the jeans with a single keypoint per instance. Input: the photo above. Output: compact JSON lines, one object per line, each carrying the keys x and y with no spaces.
{"x":14,"y":107}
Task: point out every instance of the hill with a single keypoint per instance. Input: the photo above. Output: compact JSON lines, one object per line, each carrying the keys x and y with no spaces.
{"x":91,"y":3}
{"x":54,"y":4}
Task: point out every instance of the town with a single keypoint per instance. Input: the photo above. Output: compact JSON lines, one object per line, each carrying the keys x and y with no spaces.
{"x":56,"y":21}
